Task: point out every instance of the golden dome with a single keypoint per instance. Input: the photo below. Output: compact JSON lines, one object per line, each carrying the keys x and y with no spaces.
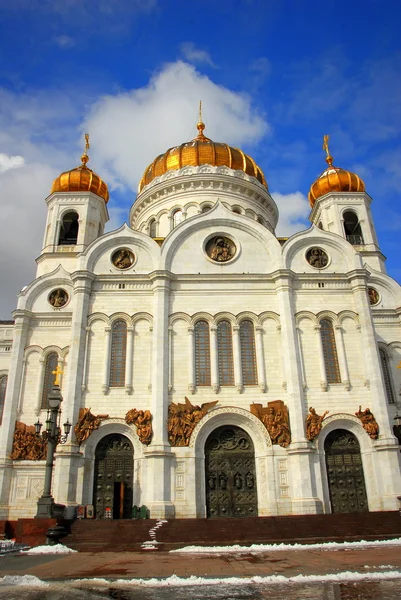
{"x":334,"y":179}
{"x":81,"y":179}
{"x":201,"y":151}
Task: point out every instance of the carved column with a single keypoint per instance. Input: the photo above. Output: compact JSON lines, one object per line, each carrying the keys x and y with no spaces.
{"x":260,"y":358}
{"x":39,"y":389}
{"x":191,"y":360}
{"x":129,"y":360}
{"x":106,"y":361}
{"x":85,"y":370}
{"x":320,"y":356}
{"x":237,"y":359}
{"x":342,"y":359}
{"x":301,"y":358}
{"x":214,"y":364}
{"x":170,"y":362}
{"x":21,"y":330}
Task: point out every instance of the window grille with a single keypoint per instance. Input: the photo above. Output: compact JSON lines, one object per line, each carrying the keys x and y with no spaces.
{"x":202,"y":353}
{"x":225,"y":353}
{"x":118,"y":354}
{"x":330,"y":351}
{"x":48,"y":381}
{"x":248,"y":354}
{"x":386,"y":376}
{"x":3,"y":387}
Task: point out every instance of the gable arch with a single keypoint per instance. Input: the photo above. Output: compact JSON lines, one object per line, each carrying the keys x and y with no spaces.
{"x":180,"y":316}
{"x":247,"y":316}
{"x":305,"y":314}
{"x":142,"y":316}
{"x":329,"y":315}
{"x":225,"y":316}
{"x":348,"y":314}
{"x":202,"y":316}
{"x":268,"y":314}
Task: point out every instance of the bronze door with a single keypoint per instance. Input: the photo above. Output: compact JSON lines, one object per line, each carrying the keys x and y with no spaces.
{"x":230,"y":474}
{"x":114,"y":465}
{"x":345,"y":473}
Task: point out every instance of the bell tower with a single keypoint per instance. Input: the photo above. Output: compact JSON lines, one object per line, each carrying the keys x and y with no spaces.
{"x":76,"y":215}
{"x":341,"y":205}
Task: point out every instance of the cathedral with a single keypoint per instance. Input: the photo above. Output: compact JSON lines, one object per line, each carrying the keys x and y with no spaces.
{"x":207,"y":367}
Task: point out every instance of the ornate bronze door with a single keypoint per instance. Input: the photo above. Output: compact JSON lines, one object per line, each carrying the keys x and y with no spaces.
{"x":345,"y":473}
{"x":114,"y":466}
{"x":230,"y":474}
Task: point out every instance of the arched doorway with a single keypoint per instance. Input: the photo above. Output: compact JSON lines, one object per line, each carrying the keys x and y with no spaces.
{"x":345,"y":472}
{"x":114,"y":467}
{"x":230,"y":474}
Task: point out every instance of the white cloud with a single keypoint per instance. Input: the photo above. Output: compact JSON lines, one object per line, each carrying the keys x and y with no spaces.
{"x":10,"y":162}
{"x":294,"y":210}
{"x":128,"y":130}
{"x":64,"y":41}
{"x":195,"y":55}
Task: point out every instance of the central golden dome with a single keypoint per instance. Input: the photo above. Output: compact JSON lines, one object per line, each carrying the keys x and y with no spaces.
{"x":201,"y":151}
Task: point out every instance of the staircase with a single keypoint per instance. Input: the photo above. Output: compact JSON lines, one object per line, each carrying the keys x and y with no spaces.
{"x":130,"y":535}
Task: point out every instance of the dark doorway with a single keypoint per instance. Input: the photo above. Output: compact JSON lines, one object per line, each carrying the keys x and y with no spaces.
{"x":114,"y":465}
{"x":345,"y":473}
{"x":230,"y":474}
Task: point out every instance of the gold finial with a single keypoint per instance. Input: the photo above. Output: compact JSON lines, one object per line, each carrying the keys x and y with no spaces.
{"x":200,"y":126}
{"x":85,"y":157}
{"x":329,"y":158}
{"x":57,"y":373}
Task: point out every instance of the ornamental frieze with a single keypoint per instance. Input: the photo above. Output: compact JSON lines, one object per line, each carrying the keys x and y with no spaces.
{"x":182,"y":419}
{"x":368,"y":421}
{"x":27,"y":444}
{"x":142,"y":419}
{"x":87,"y":423}
{"x":314,"y":423}
{"x":275,"y":418}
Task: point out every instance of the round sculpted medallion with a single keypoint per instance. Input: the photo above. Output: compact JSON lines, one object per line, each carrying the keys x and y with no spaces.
{"x":317,"y":258}
{"x":220,"y":249}
{"x":123,"y":258}
{"x":58,"y":298}
{"x":373,"y":296}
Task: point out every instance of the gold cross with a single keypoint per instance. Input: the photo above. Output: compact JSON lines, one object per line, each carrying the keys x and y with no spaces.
{"x":326,"y":144}
{"x":57,"y":373}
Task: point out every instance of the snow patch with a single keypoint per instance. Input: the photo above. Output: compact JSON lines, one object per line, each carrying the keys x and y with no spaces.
{"x":280,"y":547}
{"x":23,"y":580}
{"x":56,"y":549}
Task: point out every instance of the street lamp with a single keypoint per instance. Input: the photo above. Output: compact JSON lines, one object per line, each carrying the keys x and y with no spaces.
{"x":46,"y":505}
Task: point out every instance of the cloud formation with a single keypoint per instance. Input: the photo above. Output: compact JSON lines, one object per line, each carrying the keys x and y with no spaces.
{"x":10,"y":162}
{"x":294,"y":210}
{"x":195,"y":55}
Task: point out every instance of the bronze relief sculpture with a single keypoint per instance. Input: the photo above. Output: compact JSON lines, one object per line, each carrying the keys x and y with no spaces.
{"x":317,"y":258}
{"x":220,"y":249}
{"x":314,"y":423}
{"x":86,"y":424}
{"x":373,"y":296}
{"x":142,"y":419}
{"x":368,"y":421}
{"x":275,"y":418}
{"x":182,"y":419}
{"x":58,"y":298}
{"x":123,"y":258}
{"x":27,"y":444}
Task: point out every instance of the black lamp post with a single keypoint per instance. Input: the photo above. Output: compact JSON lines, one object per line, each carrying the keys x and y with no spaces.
{"x":46,"y":505}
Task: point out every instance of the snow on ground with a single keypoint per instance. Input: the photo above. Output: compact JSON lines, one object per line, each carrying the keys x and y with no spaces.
{"x":56,"y":549}
{"x":278,"y":547}
{"x":175,"y":581}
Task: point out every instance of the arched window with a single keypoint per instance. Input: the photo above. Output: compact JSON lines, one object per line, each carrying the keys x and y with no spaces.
{"x":118,"y":354}
{"x":248,"y":354}
{"x":153,"y":228}
{"x":3,"y":388}
{"x":177,"y":217}
{"x":202,"y":353}
{"x":329,"y":351}
{"x":225,"y":353}
{"x":48,"y":380}
{"x":69,"y":229}
{"x":386,"y":376}
{"x":352,"y":228}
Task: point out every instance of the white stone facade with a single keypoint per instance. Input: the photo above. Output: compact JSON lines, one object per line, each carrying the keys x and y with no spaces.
{"x":167,"y":289}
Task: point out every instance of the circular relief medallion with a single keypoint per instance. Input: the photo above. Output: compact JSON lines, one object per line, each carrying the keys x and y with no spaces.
{"x":317,"y":258}
{"x":220,"y":249}
{"x":58,"y":298}
{"x":123,"y":258}
{"x":373,"y":296}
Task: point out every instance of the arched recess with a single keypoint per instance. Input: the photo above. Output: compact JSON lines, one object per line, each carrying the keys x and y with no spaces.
{"x":88,"y":449}
{"x":350,"y":423}
{"x":352,"y":227}
{"x":243,"y":419}
{"x":69,"y":227}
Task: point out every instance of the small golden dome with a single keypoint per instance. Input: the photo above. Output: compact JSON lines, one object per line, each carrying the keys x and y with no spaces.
{"x":201,"y":151}
{"x":334,"y":179}
{"x":81,"y":179}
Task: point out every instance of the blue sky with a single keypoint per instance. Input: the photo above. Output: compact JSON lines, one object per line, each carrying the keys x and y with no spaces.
{"x":274,"y":76}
